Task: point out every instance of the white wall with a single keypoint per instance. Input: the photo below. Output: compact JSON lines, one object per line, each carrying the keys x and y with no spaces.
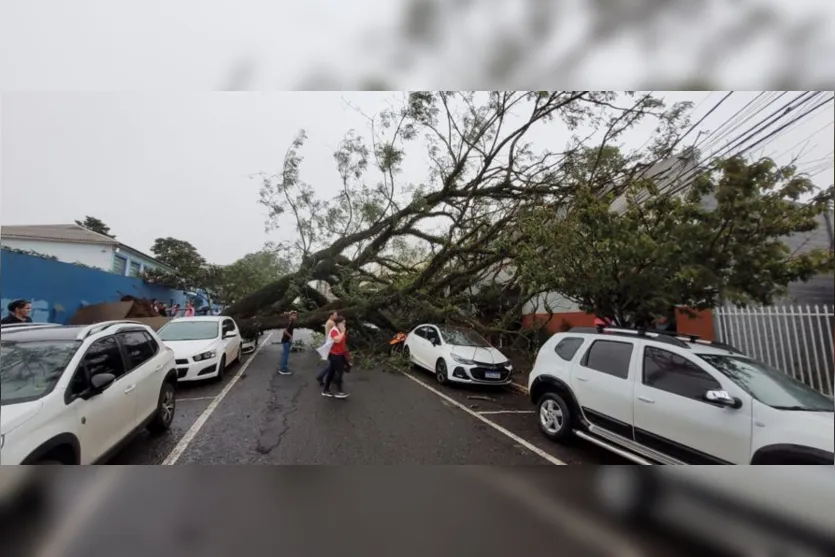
{"x":93,"y":255}
{"x":551,"y":300}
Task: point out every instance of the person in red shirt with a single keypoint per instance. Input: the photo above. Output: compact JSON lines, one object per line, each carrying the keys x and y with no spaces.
{"x":338,"y":358}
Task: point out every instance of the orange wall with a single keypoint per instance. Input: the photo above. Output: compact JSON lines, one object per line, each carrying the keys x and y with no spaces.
{"x":701,"y":324}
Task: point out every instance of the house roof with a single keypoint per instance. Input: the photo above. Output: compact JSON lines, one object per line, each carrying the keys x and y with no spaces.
{"x":71,"y":233}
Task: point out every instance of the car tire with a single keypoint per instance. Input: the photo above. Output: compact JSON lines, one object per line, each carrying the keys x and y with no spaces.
{"x":407,"y":355}
{"x":166,"y":407}
{"x":441,"y":372}
{"x":221,"y":369}
{"x":238,"y":356}
{"x":554,"y":417}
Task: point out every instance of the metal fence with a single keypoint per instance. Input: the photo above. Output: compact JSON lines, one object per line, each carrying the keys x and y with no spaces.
{"x":795,"y":339}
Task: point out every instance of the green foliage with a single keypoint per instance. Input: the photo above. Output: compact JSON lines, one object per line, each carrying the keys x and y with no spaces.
{"x":248,"y":274}
{"x":666,"y":249}
{"x":96,"y":225}
{"x":190,"y":270}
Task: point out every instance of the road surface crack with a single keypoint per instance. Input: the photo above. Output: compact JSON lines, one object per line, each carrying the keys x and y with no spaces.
{"x":271,"y":435}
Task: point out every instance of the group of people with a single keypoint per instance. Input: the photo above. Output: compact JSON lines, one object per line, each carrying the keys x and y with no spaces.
{"x":164,"y":311}
{"x":19,"y":312}
{"x":335,"y":350}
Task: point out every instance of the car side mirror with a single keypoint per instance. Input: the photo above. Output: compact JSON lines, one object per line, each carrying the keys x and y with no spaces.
{"x":722,"y":398}
{"x":99,"y":383}
{"x":435,"y":342}
{"x":229,"y":334}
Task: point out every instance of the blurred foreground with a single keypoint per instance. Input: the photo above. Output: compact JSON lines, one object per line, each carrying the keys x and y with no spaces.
{"x":221,"y":511}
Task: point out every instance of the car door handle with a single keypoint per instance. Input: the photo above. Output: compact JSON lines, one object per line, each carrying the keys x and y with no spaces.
{"x":159,"y":367}
{"x":129,"y":389}
{"x":583,"y":379}
{"x":645,"y":399}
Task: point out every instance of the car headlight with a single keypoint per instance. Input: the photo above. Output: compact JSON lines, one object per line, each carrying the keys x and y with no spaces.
{"x":205,"y":356}
{"x":464,"y":361}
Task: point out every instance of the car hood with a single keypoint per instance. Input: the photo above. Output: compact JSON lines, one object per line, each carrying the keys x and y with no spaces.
{"x":488,"y":356}
{"x":821,"y":423}
{"x":13,"y":416}
{"x":189,"y":348}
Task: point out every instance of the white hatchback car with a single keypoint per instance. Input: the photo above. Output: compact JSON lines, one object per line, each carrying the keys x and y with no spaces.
{"x":76,"y":394}
{"x":458,"y":355}
{"x":203,"y":346}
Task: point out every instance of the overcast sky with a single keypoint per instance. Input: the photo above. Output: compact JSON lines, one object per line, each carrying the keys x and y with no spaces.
{"x":94,"y":45}
{"x":177,"y":164}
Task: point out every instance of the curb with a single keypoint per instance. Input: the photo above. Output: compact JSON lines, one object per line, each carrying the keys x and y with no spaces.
{"x":518,"y":388}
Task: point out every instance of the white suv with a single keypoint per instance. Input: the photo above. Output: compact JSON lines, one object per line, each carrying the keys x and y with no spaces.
{"x":75,"y":394}
{"x":655,"y":398}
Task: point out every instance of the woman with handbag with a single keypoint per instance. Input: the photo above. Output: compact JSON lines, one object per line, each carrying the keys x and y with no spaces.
{"x":338,"y":358}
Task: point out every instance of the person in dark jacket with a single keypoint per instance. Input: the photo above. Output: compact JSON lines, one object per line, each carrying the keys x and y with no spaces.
{"x":19,"y":311}
{"x":287,"y":344}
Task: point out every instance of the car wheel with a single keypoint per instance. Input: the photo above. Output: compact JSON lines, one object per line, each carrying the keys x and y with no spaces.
{"x":166,"y":407}
{"x":407,"y":354}
{"x":221,"y":369}
{"x":238,"y":356}
{"x":554,"y":417}
{"x":441,"y":372}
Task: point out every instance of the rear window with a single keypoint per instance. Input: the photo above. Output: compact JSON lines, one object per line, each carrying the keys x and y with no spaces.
{"x":567,"y":348}
{"x":609,"y":357}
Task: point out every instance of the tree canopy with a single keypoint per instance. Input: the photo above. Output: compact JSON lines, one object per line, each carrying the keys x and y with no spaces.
{"x":249,"y":273}
{"x":721,"y":239}
{"x":190,"y":269}
{"x":447,"y":246}
{"x":96,"y":225}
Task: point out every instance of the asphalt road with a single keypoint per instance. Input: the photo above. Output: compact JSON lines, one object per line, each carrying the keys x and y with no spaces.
{"x":297,"y":510}
{"x":390,"y":419}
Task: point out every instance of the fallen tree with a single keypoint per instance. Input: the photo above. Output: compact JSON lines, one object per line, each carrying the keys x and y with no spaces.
{"x":395,"y":252}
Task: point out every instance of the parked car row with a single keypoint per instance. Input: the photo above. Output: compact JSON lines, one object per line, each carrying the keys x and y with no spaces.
{"x":651,"y":397}
{"x":77,"y":394}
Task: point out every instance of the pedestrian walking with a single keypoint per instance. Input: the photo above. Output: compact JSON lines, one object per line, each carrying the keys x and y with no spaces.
{"x":287,"y":344}
{"x":19,"y":311}
{"x":329,"y":324}
{"x":189,"y":309}
{"x":338,"y":360}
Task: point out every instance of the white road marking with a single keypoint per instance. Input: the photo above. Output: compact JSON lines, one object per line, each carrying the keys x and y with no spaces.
{"x":489,"y":412}
{"x":178,"y":451}
{"x":564,"y":517}
{"x":195,"y":398}
{"x":534,"y":449}
{"x":59,"y":539}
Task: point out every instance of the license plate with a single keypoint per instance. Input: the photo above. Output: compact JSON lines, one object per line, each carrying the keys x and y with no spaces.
{"x":492,"y":375}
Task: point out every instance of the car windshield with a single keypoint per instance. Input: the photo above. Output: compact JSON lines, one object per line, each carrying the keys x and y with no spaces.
{"x":462,"y":337}
{"x":769,"y":385}
{"x":189,"y":330}
{"x":30,"y":370}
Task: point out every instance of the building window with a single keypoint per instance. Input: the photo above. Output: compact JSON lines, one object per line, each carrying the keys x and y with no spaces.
{"x":134,"y":269}
{"x":120,"y":265}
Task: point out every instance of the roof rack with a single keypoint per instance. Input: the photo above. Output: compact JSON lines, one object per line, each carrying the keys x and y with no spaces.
{"x":99,"y":327}
{"x":20,"y":326}
{"x":696,"y":339}
{"x":654,"y":335}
